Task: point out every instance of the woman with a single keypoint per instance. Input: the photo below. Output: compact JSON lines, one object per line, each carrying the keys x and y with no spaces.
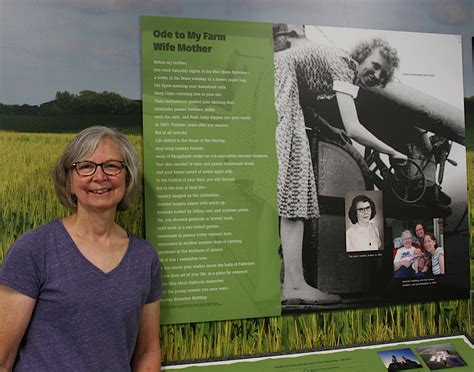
{"x":425,"y":262}
{"x":311,"y":72}
{"x":437,"y":254}
{"x":419,"y":234}
{"x":81,"y":293}
{"x":405,"y":258}
{"x":364,"y":235}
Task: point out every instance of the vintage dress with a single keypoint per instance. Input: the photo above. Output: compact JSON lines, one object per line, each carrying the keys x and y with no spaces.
{"x":313,"y":72}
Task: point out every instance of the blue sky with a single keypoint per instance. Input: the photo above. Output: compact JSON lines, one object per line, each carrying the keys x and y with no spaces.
{"x":386,"y":356}
{"x":55,"y":45}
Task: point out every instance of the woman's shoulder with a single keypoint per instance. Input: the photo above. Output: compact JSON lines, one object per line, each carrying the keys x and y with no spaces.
{"x":40,"y":234}
{"x":351,"y":230}
{"x":32,"y":249}
{"x":141,"y":245}
{"x":439,"y":250}
{"x":373,"y":225}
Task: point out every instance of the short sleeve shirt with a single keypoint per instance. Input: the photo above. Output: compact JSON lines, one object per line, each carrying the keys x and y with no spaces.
{"x":84,"y":319}
{"x":435,"y":260}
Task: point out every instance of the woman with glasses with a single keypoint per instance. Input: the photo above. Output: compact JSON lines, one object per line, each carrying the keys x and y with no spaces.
{"x":82,"y":293}
{"x":364,"y":235}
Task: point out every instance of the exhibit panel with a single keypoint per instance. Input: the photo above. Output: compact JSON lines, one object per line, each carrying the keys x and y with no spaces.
{"x":245,"y":128}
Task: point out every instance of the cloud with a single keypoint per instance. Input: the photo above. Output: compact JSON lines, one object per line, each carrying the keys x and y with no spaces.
{"x":453,"y":12}
{"x":100,"y":7}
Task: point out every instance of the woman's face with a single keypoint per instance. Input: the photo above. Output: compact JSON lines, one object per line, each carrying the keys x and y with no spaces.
{"x":419,"y":231}
{"x":373,"y":70}
{"x":100,"y":191}
{"x":429,"y":244}
{"x":407,"y":240}
{"x":364,"y":211}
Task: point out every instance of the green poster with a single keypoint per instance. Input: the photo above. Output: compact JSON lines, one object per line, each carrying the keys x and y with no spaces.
{"x":210,"y":166}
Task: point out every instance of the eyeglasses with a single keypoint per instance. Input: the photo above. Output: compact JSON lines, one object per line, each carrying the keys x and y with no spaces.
{"x":88,"y":168}
{"x":363,"y":210}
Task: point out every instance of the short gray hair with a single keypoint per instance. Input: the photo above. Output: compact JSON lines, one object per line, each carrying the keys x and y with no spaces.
{"x":85,"y":143}
{"x":407,"y":233}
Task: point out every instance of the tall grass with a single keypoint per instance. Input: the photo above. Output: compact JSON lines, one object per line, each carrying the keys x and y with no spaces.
{"x":220,"y":340}
{"x":27,"y":200}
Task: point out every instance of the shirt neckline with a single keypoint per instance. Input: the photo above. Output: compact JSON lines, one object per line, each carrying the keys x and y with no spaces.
{"x":85,"y":260}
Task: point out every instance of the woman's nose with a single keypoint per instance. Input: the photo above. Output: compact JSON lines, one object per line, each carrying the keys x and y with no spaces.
{"x":99,"y":173}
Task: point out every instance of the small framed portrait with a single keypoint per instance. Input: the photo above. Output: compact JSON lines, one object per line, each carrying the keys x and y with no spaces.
{"x":364,"y":221}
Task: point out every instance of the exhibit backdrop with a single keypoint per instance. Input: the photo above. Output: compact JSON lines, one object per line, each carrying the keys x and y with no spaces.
{"x":65,"y":66}
{"x":215,"y":157}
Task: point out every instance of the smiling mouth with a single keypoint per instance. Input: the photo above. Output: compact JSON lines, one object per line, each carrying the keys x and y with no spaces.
{"x":100,"y":191}
{"x":371,"y":81}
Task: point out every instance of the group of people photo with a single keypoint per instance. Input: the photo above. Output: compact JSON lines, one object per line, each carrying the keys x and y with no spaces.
{"x":418,"y":255}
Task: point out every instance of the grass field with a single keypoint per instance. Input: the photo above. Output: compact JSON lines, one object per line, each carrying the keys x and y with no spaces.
{"x":27,"y":200}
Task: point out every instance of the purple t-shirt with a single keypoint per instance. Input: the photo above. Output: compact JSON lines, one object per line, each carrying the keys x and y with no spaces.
{"x":84,"y":319}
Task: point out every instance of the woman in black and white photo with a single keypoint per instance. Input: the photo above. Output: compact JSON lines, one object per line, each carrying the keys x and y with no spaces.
{"x":364,"y":234}
{"x":309,"y":71}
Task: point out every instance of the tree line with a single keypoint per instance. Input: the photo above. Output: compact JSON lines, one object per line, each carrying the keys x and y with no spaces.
{"x":86,"y":102}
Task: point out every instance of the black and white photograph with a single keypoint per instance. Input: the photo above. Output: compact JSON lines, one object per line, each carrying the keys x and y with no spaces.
{"x":366,"y":111}
{"x":440,"y":356}
{"x":364,"y":221}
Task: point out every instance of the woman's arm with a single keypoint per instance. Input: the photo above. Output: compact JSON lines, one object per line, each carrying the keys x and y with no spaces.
{"x":16,"y":309}
{"x":357,"y":131}
{"x":379,"y":243}
{"x":441,"y":263}
{"x":398,"y":262}
{"x":147,"y":354}
{"x":349,"y":245}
